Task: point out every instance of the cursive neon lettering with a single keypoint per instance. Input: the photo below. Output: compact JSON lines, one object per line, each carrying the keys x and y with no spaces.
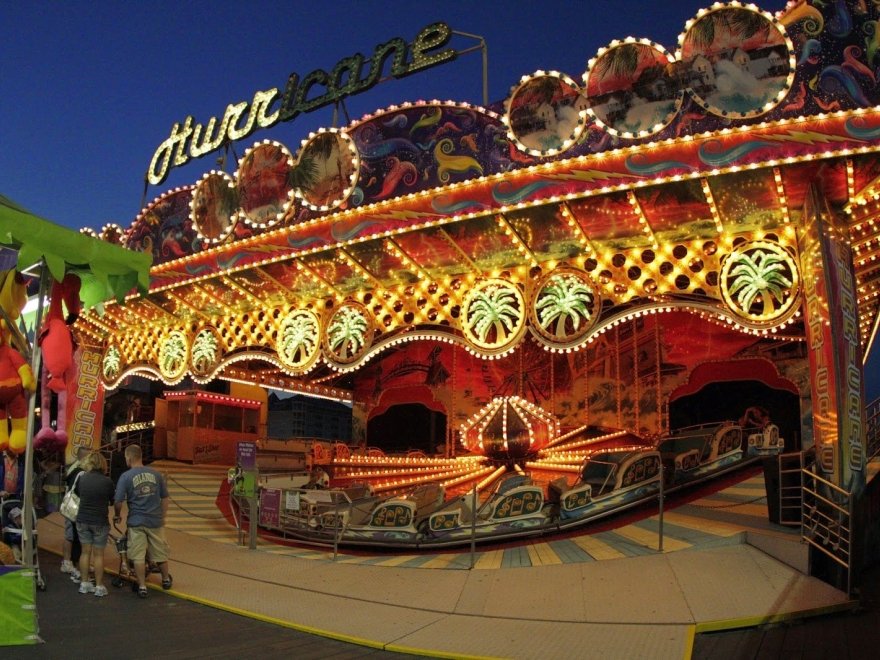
{"x":353,"y":83}
{"x":211,"y":140}
{"x":431,"y":37}
{"x":316,"y":77}
{"x":189,"y":140}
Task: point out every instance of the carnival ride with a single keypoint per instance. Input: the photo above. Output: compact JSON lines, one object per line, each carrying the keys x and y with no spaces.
{"x":427,"y":507}
{"x":551,"y":275}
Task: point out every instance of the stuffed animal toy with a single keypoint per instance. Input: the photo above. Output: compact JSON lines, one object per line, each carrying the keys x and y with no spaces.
{"x":58,"y":347}
{"x":16,"y":377}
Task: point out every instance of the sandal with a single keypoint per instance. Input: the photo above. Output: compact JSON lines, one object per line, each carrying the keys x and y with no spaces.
{"x":166,"y":584}
{"x":142,"y":592}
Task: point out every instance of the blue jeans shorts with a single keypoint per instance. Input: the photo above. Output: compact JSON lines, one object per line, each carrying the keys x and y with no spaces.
{"x":68,"y":530}
{"x":95,"y":535}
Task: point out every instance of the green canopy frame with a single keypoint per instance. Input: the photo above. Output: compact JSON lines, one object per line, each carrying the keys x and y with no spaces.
{"x":106,"y":271}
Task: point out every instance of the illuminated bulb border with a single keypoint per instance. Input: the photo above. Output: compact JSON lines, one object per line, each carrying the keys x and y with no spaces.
{"x":602,"y":52}
{"x":352,"y":179}
{"x":233,"y":216}
{"x":242,"y":214}
{"x":568,"y":142}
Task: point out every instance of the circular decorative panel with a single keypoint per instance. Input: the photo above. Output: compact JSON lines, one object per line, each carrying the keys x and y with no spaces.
{"x":298,"y":340}
{"x":759,"y":282}
{"x":630,"y":90}
{"x":326,"y":171}
{"x":493,"y":315}
{"x":349,"y":333}
{"x":564,"y":308}
{"x":545,"y":114}
{"x":214,"y":207}
{"x":264,"y":188}
{"x":173,"y":353}
{"x":205,"y":352}
{"x":736,"y":61}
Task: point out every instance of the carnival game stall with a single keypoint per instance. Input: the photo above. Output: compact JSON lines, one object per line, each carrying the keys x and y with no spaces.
{"x":74,"y":271}
{"x":567,"y":278}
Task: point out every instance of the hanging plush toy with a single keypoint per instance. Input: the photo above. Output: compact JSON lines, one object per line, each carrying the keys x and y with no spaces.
{"x":58,"y":347}
{"x":16,"y":377}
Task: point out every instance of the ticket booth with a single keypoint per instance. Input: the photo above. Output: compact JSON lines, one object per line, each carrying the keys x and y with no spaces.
{"x":204,"y":427}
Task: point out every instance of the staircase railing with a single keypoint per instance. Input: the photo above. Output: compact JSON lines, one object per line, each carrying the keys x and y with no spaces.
{"x":872,"y":434}
{"x":827,"y":520}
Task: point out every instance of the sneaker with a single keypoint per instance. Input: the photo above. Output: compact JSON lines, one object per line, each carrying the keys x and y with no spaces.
{"x":87,"y":588}
{"x":166,"y":584}
{"x":75,"y":577}
{"x":67,"y":566}
{"x":142,"y":592}
{"x":100,"y":591}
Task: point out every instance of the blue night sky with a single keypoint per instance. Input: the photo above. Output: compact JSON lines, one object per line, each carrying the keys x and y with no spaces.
{"x":91,"y":88}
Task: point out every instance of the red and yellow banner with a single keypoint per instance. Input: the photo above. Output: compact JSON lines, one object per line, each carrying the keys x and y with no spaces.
{"x":85,"y":400}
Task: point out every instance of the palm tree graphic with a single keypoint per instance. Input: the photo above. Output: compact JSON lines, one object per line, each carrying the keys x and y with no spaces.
{"x":619,"y":62}
{"x":112,"y":362}
{"x":564,"y":298}
{"x":173,"y":353}
{"x":740,"y":23}
{"x":347,"y":331}
{"x":204,"y":351}
{"x":763,"y":273}
{"x":299,"y":338}
{"x":494,"y":307}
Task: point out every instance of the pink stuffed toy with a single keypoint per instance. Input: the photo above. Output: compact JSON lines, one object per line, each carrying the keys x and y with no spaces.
{"x":58,"y":347}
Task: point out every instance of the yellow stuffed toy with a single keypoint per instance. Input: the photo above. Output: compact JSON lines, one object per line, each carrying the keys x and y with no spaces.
{"x":16,"y":377}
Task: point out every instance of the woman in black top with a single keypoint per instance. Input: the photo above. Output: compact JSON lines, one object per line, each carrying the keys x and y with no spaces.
{"x":95,"y":492}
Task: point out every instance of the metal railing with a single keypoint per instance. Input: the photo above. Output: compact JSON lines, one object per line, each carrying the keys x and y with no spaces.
{"x":791,"y":483}
{"x":827,"y":520}
{"x":141,"y":434}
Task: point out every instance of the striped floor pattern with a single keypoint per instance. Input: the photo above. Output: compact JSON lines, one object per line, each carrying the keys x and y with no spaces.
{"x":705,"y":521}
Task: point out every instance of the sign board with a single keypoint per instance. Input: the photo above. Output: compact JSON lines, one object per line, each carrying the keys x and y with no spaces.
{"x":85,"y":401}
{"x":205,"y":451}
{"x":315,"y":90}
{"x":270,"y":507}
{"x":246,"y":455}
{"x":831,"y":322}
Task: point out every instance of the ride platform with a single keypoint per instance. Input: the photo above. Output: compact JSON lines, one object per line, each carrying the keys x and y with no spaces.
{"x":612,"y":588}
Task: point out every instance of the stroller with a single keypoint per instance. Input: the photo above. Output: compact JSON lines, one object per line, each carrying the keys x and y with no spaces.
{"x":126,"y":573}
{"x":10,"y":521}
{"x":126,"y":567}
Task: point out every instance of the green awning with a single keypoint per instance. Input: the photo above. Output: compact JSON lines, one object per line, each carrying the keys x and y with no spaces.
{"x":105,"y":270}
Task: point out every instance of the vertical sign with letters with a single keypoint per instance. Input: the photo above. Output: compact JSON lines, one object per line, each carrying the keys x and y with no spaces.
{"x":833,"y":346}
{"x":85,"y":401}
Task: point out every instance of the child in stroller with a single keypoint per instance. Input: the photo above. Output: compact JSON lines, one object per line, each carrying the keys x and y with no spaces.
{"x":11,"y":521}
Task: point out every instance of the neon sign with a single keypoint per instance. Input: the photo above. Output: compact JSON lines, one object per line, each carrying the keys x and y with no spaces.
{"x":192,"y":140}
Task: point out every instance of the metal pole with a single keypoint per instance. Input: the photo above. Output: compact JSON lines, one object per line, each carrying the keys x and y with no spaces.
{"x":485,"y":52}
{"x":253,"y":521}
{"x":28,"y":519}
{"x":335,"y":525}
{"x":234,"y":501}
{"x":474,"y":526}
{"x":660,"y":548}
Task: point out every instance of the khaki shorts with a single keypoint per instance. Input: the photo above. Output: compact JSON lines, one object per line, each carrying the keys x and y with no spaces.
{"x":147,"y":540}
